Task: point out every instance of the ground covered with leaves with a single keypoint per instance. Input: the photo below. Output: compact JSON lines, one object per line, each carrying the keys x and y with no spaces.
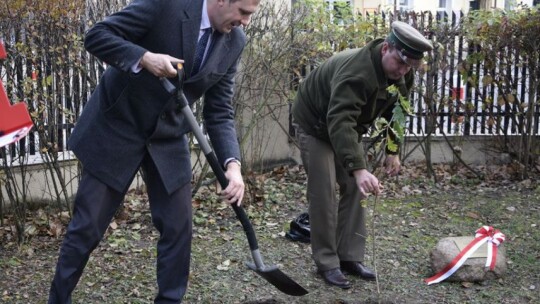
{"x":405,"y":224}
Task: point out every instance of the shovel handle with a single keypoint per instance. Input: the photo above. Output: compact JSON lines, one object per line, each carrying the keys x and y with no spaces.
{"x":272,"y":274}
{"x":240,"y":212}
{"x":212,"y":159}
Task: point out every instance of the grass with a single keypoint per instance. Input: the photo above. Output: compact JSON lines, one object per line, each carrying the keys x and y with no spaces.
{"x":409,"y":219}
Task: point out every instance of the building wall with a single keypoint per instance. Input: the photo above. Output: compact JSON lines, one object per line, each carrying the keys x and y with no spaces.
{"x":416,"y":5}
{"x":369,"y":6}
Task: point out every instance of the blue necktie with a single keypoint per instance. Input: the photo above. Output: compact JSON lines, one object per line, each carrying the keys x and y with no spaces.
{"x":199,"y":51}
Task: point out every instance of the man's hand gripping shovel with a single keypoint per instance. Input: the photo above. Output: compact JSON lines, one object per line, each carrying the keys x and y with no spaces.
{"x":271,"y":273}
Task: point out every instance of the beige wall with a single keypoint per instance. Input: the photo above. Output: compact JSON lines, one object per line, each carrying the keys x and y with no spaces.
{"x":475,"y":150}
{"x":367,"y":6}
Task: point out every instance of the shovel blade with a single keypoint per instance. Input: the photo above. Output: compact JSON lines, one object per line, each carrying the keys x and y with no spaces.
{"x":280,"y":280}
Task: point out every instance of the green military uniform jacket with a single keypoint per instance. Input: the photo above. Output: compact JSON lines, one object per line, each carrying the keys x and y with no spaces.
{"x":341,"y":98}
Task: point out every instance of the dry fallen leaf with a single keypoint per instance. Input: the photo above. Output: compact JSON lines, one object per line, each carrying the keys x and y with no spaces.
{"x":473,"y":215}
{"x":224,"y":265}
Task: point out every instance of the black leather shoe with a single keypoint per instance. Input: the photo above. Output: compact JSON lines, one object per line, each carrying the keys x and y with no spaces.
{"x":335,"y":277}
{"x":358,"y":269}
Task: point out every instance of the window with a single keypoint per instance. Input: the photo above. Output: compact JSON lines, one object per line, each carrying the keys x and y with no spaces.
{"x":400,"y":2}
{"x":401,"y":5}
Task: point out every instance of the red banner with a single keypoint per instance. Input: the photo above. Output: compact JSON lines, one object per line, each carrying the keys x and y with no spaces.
{"x":15,"y":122}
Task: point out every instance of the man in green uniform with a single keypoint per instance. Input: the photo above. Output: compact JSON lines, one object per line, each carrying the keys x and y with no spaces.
{"x":334,"y":107}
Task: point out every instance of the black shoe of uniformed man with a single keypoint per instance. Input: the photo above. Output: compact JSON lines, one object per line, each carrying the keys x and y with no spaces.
{"x":358,"y":269}
{"x":335,"y":277}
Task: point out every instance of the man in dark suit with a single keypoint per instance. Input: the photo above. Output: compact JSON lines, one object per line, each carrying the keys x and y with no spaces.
{"x":132,"y":122}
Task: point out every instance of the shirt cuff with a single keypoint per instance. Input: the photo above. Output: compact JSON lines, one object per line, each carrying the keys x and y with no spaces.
{"x":232,"y":159}
{"x":136,"y":68}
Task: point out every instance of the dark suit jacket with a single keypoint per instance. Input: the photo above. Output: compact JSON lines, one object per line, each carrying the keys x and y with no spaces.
{"x":129,"y":115}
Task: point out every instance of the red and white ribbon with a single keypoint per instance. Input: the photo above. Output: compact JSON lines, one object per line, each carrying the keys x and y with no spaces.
{"x":485,"y":234}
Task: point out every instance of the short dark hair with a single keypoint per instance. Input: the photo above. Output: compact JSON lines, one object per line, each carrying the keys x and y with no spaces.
{"x":391,"y":45}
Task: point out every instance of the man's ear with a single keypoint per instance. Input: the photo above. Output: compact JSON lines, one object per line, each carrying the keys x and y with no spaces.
{"x":385,"y":48}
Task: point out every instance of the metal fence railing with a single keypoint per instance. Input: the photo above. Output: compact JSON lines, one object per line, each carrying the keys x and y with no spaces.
{"x":57,"y":76}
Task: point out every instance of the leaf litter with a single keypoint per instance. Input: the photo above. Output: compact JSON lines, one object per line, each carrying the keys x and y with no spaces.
{"x":406,"y":222}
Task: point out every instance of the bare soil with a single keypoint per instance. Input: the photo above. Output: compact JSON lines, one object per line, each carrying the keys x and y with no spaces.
{"x":405,"y":224}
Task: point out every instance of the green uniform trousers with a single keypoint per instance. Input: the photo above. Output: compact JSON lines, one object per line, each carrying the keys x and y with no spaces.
{"x":338,"y":228}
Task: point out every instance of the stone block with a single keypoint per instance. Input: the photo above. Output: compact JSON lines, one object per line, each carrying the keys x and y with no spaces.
{"x":473,"y":269}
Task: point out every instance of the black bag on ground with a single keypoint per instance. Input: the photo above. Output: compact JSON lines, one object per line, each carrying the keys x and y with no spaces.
{"x":299,"y":229}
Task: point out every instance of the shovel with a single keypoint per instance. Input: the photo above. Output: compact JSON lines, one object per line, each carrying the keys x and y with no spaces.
{"x":270,"y":273}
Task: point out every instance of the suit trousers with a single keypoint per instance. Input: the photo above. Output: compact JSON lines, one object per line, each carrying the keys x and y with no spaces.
{"x":94,"y":207}
{"x":338,"y":228}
